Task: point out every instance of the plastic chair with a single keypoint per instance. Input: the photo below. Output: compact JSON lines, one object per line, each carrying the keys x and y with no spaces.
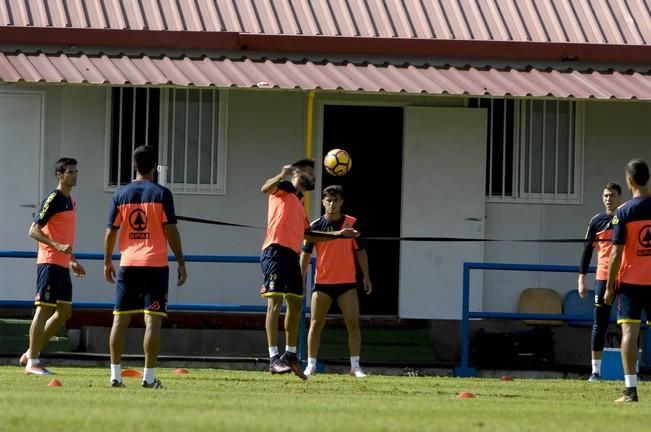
{"x":573,"y":304}
{"x":542,"y":301}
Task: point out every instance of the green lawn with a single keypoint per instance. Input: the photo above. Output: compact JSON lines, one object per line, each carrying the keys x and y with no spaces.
{"x":220,"y":400}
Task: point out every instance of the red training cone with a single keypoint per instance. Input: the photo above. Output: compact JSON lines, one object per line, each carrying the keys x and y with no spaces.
{"x":507,"y":378}
{"x":54,"y":383}
{"x":465,"y":395}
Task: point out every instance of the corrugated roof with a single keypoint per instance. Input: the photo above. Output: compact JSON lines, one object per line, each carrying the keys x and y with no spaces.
{"x":102,"y":69}
{"x":574,"y":21}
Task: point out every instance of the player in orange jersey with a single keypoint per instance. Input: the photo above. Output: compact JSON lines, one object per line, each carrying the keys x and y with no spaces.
{"x":143,"y":213}
{"x":630,"y":267}
{"x":336,"y":278}
{"x":54,"y":229}
{"x":287,"y":226}
{"x":599,"y":235}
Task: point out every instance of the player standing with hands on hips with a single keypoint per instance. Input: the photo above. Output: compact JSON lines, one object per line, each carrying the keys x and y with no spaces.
{"x":144,"y":213}
{"x":630,"y":268}
{"x":287,"y":227}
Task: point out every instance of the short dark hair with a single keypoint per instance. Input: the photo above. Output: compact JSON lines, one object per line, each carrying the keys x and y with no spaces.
{"x":638,"y":170}
{"x":144,"y":159}
{"x":612,"y":186}
{"x":333,"y":190}
{"x":303,"y":163}
{"x":60,"y":165}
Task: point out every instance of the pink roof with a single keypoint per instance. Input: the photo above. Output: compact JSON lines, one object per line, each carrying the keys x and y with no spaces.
{"x":102,"y":69}
{"x":626,"y":22}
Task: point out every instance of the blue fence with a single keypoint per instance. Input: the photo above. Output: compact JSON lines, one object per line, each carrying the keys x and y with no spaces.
{"x":464,"y":370}
{"x":302,"y":346}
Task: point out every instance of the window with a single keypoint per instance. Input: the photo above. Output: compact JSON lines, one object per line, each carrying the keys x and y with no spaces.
{"x":187,"y":126}
{"x":534,"y":150}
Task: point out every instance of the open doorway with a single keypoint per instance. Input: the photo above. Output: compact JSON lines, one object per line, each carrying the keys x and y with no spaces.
{"x":373,"y":137}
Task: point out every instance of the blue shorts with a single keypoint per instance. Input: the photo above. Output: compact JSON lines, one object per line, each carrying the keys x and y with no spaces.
{"x":282,"y":272}
{"x":335,"y":290}
{"x":632,"y":300}
{"x":53,"y":285}
{"x":142,"y":289}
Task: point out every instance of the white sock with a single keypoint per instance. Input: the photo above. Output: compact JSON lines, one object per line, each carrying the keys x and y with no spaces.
{"x":33,"y":362}
{"x":116,"y":373}
{"x":149,"y":375}
{"x":630,"y":380}
{"x":273,"y":351}
{"x":596,"y":366}
{"x":291,"y":349}
{"x":311,"y":362}
{"x":354,"y":362}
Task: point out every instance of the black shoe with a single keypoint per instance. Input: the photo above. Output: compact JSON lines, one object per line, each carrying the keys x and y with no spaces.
{"x":154,"y":385}
{"x":116,"y":383}
{"x":594,"y":376}
{"x":629,"y":395}
{"x":277,"y":366}
{"x":292,"y":360}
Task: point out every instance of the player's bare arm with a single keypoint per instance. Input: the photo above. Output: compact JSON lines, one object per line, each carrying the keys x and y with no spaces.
{"x":174,"y":239}
{"x":37,"y":234}
{"x":583,"y":290}
{"x":305,"y":262}
{"x":362,"y":260}
{"x":109,"y":245}
{"x":613,"y":269}
{"x":77,"y":269}
{"x":270,"y":186}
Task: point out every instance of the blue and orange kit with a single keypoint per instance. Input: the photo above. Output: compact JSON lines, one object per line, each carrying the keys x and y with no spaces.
{"x":599,"y":235}
{"x":56,"y":217}
{"x":632,"y":228}
{"x":335,"y":259}
{"x":142,"y":208}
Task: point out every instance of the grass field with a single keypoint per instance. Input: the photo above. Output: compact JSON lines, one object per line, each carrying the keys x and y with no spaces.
{"x":221,"y":400}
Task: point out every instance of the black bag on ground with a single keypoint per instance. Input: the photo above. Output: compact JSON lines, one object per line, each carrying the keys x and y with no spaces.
{"x":527,"y":348}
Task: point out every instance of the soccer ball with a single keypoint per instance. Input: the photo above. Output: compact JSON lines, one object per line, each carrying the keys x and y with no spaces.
{"x":337,"y":162}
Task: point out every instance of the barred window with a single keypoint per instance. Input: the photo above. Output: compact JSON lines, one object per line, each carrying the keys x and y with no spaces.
{"x":534,"y":150}
{"x":187,"y":126}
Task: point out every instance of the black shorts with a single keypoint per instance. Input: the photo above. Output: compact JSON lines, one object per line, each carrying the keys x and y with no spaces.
{"x":335,"y":290}
{"x":142,"y":289}
{"x":632,"y":300}
{"x":282,"y":272}
{"x":53,"y":285}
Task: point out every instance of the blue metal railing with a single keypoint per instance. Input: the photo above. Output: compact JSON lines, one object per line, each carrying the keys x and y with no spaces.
{"x":302,"y":339}
{"x":464,"y":370}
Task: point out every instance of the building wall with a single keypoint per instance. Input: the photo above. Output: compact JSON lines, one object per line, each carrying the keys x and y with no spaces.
{"x":266,"y":129}
{"x":615,"y":132}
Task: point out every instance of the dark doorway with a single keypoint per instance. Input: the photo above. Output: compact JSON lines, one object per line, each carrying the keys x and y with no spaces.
{"x":373,"y":137}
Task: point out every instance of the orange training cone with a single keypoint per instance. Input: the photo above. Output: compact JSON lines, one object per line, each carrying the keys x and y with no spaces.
{"x":131,"y":373}
{"x":181,"y":371}
{"x":507,"y":378}
{"x":465,"y":395}
{"x":54,"y":383}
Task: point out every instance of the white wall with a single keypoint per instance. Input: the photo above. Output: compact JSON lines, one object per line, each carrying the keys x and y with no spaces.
{"x":615,"y":132}
{"x":265,"y":130}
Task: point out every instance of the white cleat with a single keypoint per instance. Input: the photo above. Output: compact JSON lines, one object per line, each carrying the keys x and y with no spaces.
{"x":357,"y":373}
{"x":37,"y":370}
{"x":310,"y":371}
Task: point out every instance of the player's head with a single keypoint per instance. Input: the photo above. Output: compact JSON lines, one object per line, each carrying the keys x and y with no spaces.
{"x":304,"y":173}
{"x":637,"y":174}
{"x":145,"y":159}
{"x":332,"y":199}
{"x":612,"y":196}
{"x":65,"y":169}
